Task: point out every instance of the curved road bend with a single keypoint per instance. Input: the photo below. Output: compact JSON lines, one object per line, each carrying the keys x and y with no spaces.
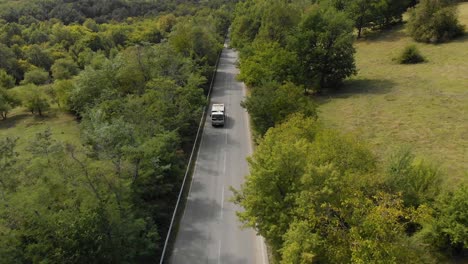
{"x":209,"y":231}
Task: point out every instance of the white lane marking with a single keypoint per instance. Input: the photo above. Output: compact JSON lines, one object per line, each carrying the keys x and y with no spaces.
{"x":226,"y":136}
{"x":219,"y":251}
{"x":262,"y":249}
{"x":224,"y":163}
{"x":194,"y":170}
{"x":222,"y":202}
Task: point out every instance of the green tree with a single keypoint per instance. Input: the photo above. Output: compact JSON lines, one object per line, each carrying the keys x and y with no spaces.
{"x":9,"y":62}
{"x":145,"y":31}
{"x":434,"y":21}
{"x":108,"y":137}
{"x":275,"y":171}
{"x":35,"y":100}
{"x":8,"y":101}
{"x":300,"y":244}
{"x":316,"y":197}
{"x":39,"y":57}
{"x":246,"y":23}
{"x":419,"y":183}
{"x":91,"y":25}
{"x":269,"y":62}
{"x":36,"y":76}
{"x":64,"y":69}
{"x":62,"y":90}
{"x":167,"y":22}
{"x":278,"y":18}
{"x":6,"y":80}
{"x":447,"y":233}
{"x":271,"y":103}
{"x":8,"y":165}
{"x":64,"y":35}
{"x":391,"y":11}
{"x":196,"y":40}
{"x":325,"y":43}
{"x":91,"y":83}
{"x":363,"y":13}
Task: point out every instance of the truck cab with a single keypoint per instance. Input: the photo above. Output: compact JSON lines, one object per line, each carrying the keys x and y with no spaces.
{"x":217,"y":115}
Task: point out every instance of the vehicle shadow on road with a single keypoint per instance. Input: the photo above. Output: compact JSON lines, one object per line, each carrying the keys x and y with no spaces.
{"x":229,"y":122}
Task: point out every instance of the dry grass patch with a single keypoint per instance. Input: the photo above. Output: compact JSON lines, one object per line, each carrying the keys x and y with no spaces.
{"x":421,"y":106}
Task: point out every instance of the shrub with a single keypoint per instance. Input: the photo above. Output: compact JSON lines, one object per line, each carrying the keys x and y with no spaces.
{"x":411,"y":55}
{"x":448,"y":233}
{"x":434,"y":21}
{"x":36,"y":76}
{"x":6,"y":81}
{"x":64,"y":69}
{"x":8,"y":101}
{"x":418,"y":182}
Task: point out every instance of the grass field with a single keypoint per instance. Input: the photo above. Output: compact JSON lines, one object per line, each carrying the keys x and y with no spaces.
{"x":424,"y":106}
{"x":24,"y":125}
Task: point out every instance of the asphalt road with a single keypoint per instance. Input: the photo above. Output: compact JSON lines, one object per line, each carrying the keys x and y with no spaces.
{"x":209,"y":231}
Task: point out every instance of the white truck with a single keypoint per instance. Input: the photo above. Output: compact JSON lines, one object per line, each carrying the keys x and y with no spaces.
{"x":217,"y":115}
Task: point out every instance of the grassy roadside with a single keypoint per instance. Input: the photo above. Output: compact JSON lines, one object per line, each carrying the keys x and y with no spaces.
{"x":423,"y":106}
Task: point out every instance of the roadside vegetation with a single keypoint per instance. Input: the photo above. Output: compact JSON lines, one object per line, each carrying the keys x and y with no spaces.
{"x":373,"y":169}
{"x":99,"y":102}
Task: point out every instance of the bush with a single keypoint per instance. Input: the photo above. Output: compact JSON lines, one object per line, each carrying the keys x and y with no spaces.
{"x":6,"y":81}
{"x":64,"y":69}
{"x":36,"y":76}
{"x":434,"y":21}
{"x":8,"y":101}
{"x":418,"y":182}
{"x":411,"y":55}
{"x":448,"y":233}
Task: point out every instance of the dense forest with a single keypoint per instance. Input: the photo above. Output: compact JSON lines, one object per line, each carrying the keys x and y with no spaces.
{"x":317,"y":195}
{"x":134,"y":74}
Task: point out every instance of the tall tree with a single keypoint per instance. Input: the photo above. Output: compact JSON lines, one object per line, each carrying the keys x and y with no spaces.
{"x":324,"y":44}
{"x":8,"y":101}
{"x":269,"y":62}
{"x":271,"y":103}
{"x":38,"y":56}
{"x":363,"y":13}
{"x":35,"y":100}
{"x":6,"y":80}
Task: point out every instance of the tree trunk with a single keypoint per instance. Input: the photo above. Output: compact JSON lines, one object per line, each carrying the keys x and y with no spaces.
{"x":136,"y":172}
{"x":359,"y":26}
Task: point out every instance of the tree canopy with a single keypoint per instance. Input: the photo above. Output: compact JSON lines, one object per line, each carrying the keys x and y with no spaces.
{"x":319,"y":196}
{"x":134,"y":74}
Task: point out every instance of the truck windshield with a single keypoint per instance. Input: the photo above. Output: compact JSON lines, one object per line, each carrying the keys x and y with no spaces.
{"x":217,"y":117}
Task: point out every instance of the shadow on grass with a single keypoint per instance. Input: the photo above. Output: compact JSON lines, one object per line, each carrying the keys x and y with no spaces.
{"x":28,"y":118}
{"x":392,"y":34}
{"x":358,"y":87}
{"x":13,"y":120}
{"x":460,"y":39}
